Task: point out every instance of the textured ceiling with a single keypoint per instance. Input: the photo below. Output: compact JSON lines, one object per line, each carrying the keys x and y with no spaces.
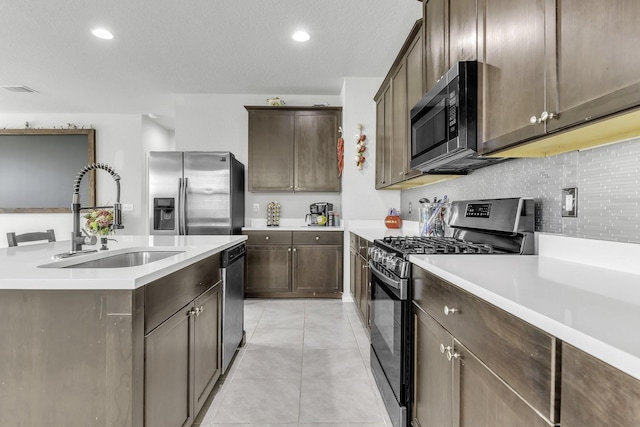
{"x":167,"y":47}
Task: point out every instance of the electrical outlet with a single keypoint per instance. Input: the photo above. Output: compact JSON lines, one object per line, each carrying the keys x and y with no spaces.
{"x":570,"y":202}
{"x":128,"y":207}
{"x":256,"y":207}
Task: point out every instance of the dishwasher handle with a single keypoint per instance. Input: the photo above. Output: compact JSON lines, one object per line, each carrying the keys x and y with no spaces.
{"x":231,"y":255}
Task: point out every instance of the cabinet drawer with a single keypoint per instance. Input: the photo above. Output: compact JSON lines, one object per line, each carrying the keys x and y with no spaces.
{"x":269,"y":238}
{"x":169,"y":294}
{"x":318,"y":238}
{"x":519,"y":353}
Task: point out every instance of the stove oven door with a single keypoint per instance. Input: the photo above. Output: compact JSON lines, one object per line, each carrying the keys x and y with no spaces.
{"x":390,"y":345}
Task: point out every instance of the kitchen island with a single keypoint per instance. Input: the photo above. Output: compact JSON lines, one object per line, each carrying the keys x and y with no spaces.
{"x":134,"y":346}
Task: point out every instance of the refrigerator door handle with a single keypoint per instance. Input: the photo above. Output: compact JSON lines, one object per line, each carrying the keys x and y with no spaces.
{"x":183,"y":214}
{"x":180,"y":211}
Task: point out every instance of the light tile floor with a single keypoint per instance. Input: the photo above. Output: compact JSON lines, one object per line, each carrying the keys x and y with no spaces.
{"x":305,"y":363}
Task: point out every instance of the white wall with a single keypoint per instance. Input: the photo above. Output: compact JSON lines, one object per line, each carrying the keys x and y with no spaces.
{"x":118,"y":144}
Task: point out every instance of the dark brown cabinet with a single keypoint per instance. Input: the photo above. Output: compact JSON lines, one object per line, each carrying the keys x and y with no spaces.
{"x":183,"y":351}
{"x":503,"y":370}
{"x":360,"y":282}
{"x":544,"y":72}
{"x":402,"y":89}
{"x":596,"y":394}
{"x":293,"y":149}
{"x":294,"y":264}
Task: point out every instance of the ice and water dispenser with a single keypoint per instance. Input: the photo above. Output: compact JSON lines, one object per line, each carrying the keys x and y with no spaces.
{"x":164,"y":214}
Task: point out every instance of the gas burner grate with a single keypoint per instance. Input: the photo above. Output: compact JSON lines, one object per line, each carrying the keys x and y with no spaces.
{"x":437,"y":245}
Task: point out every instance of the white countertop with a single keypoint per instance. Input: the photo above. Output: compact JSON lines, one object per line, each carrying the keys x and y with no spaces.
{"x":20,"y":266}
{"x":592,"y":307}
{"x":289,"y":224}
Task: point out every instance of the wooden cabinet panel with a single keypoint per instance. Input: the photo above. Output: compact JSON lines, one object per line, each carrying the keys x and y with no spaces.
{"x":463,"y":31}
{"x":415,"y":91}
{"x":318,"y":238}
{"x":513,"y":70}
{"x":317,"y":268}
{"x":168,"y":366}
{"x":268,"y":269}
{"x":268,"y":238}
{"x":596,"y":74}
{"x":387,"y":137}
{"x":520,"y":354}
{"x":293,"y":149}
{"x":380,"y":142}
{"x":482,"y":399}
{"x":398,"y":142}
{"x":436,"y":16}
{"x":596,"y":394}
{"x":316,"y":160}
{"x":271,"y":150}
{"x":207,"y":344}
{"x":432,"y":404}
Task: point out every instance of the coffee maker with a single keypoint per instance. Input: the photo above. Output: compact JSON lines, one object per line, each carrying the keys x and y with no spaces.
{"x":319,"y":214}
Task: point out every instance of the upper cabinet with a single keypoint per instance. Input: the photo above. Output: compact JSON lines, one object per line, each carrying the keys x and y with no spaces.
{"x":512,"y":68}
{"x":401,"y":90}
{"x":293,"y":149}
{"x":555,"y":65}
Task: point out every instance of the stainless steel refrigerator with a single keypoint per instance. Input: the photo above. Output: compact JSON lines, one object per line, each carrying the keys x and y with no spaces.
{"x":195,"y":192}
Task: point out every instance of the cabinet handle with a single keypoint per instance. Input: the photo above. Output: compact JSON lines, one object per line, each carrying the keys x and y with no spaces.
{"x":443,"y":348}
{"x":266,"y":238}
{"x":288,"y":249}
{"x":291,"y":186}
{"x":191,"y":312}
{"x":544,"y":117}
{"x":295,"y":250}
{"x":201,"y":310}
{"x":448,"y":311}
{"x":317,"y":237}
{"x":451,"y":355}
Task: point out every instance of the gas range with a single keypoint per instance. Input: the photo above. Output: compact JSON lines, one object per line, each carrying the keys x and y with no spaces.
{"x":483,"y":227}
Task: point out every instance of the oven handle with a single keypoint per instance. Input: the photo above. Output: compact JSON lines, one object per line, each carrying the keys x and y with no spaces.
{"x":400,"y":285}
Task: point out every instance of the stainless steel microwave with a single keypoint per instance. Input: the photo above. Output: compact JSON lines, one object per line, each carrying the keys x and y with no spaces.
{"x":444,"y":124}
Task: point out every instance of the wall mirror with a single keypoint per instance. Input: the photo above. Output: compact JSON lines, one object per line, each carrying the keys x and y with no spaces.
{"x":38,"y":167}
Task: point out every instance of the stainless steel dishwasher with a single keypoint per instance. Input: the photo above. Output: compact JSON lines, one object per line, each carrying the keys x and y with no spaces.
{"x":232,"y":302}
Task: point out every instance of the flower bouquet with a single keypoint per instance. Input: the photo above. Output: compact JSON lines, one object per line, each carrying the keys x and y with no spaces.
{"x":99,"y":222}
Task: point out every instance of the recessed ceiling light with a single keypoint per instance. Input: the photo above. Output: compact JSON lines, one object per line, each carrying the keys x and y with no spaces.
{"x":101,"y":33}
{"x":301,"y":36}
{"x":152,"y":116}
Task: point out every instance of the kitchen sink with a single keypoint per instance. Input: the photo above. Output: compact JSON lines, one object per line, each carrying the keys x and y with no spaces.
{"x":127,"y":259}
{"x":130,"y":258}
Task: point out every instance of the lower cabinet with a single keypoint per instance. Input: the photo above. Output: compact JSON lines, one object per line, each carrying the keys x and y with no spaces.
{"x":476,"y":365}
{"x":294,"y":264}
{"x":360,"y":284}
{"x":183,"y":362}
{"x":596,"y":394}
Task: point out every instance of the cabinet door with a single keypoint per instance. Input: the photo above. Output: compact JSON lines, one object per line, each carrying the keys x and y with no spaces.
{"x":207,"y":344}
{"x":380,"y":143}
{"x":365,"y":292}
{"x":316,"y":158}
{"x":433,"y":383}
{"x":354,"y":278}
{"x":271,"y":136}
{"x":482,"y":399}
{"x":463,"y":31}
{"x":512,"y":57}
{"x":317,"y":268}
{"x":268,"y":269}
{"x":168,"y":367}
{"x":388,"y":135}
{"x":399,"y":127}
{"x":415,"y":91}
{"x":435,"y":30}
{"x":596,"y":394}
{"x":596,"y":62}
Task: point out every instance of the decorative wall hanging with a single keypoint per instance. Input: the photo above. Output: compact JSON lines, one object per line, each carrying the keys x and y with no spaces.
{"x":360,"y":146}
{"x":340,"y":152}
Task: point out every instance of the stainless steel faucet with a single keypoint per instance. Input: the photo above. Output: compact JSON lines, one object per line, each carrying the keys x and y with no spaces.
{"x":77,"y":238}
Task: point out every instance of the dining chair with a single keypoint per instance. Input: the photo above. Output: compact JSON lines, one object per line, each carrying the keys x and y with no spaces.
{"x":14,"y":239}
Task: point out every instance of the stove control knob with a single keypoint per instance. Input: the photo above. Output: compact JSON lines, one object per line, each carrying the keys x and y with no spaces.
{"x":448,"y":311}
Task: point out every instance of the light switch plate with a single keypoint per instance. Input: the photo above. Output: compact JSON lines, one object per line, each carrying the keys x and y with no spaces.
{"x":570,"y":202}
{"x":127,"y":207}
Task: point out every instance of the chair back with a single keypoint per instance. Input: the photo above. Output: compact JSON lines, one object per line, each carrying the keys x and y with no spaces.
{"x":14,"y":239}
